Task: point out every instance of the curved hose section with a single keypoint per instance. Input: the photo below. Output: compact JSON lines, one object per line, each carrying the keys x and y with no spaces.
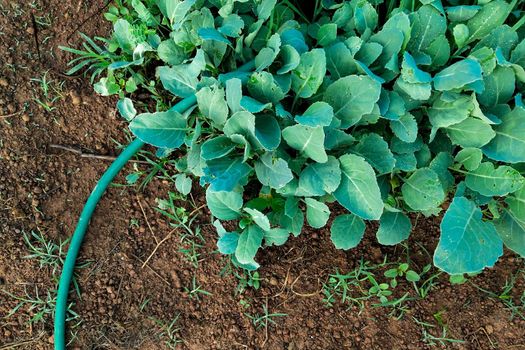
{"x":78,"y":237}
{"x":85,"y":217}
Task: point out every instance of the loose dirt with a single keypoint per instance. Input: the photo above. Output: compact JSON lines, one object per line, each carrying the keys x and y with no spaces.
{"x":123,"y":305}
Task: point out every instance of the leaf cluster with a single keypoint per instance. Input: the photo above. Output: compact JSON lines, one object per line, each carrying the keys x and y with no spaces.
{"x":384,"y":107}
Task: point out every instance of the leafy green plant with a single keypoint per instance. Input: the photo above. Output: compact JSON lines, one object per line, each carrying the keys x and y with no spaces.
{"x":383,"y":108}
{"x":402,"y":270}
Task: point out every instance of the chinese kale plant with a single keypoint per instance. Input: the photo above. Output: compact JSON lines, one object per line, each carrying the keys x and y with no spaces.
{"x":383,"y":108}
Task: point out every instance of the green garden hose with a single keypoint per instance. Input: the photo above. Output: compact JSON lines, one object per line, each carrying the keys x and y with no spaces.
{"x":83,"y":222}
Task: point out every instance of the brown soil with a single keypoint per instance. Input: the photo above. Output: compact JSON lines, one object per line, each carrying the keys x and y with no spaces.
{"x":42,"y":189}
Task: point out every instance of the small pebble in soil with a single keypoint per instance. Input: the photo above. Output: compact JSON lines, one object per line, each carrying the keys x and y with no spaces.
{"x":75,"y":99}
{"x":4,"y":82}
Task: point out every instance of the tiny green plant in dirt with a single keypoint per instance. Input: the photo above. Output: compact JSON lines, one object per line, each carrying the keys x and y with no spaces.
{"x":510,"y":296}
{"x":51,"y":92}
{"x":190,"y":235}
{"x":264,"y":319}
{"x":195,"y":291}
{"x":356,"y":110}
{"x":441,"y":339}
{"x":39,"y":303}
{"x":169,"y":332}
{"x":363,"y":285}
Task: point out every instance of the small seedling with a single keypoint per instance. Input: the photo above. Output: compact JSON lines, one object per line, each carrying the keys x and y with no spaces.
{"x":51,"y":92}
{"x":195,"y":291}
{"x":169,"y":332}
{"x":515,"y":303}
{"x":247,"y":279}
{"x":265,"y":319}
{"x":432,"y":340}
{"x":402,"y":270}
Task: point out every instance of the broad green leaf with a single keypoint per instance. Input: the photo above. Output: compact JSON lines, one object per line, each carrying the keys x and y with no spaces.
{"x":327,"y":34}
{"x":347,"y":231}
{"x":446,"y":112}
{"x":265,"y":9}
{"x":273,"y":172}
{"x":317,"y":213}
{"x":259,"y":218}
{"x":405,"y":128}
{"x":227,"y":243}
{"x":467,"y":243}
{"x":365,"y":17}
{"x":352,"y":97}
{"x":226,"y":174}
{"x":263,"y":87}
{"x":143,"y":13}
{"x":394,"y":227}
{"x":318,"y":114}
{"x":411,"y":72}
{"x":175,"y":10}
{"x":126,"y":109}
{"x":123,"y":34}
{"x":267,"y":131}
{"x":516,"y":203}
{"x":416,"y":91}
{"x":427,"y":25}
{"x":234,"y":94}
{"x":249,"y":243}
{"x":458,"y":75}
{"x":439,"y":51}
{"x":368,"y":53}
{"x":160,"y":129}
{"x":232,"y":26}
{"x":267,"y":55}
{"x":340,"y":61}
{"x":391,"y":105}
{"x":499,"y":87}
{"x":491,"y":181}
{"x":295,"y":38}
{"x":518,"y":54}
{"x":422,"y":190}
{"x":358,"y":190}
{"x":241,"y":123}
{"x":491,"y":16}
{"x":178,"y":80}
{"x":375,"y":150}
{"x":171,"y":53}
{"x":224,"y":205}
{"x":462,"y":13}
{"x":253,"y":106}
{"x":509,"y":143}
{"x":319,"y":179}
{"x":212,"y":104}
{"x":183,"y":184}
{"x":276,"y":236}
{"x":217,"y":147}
{"x":461,"y":34}
{"x":307,"y":140}
{"x":211,"y":34}
{"x":308,"y":76}
{"x":293,"y":221}
{"x":336,"y":139}
{"x":502,"y":39}
{"x":471,"y":132}
{"x":470,"y":158}
{"x":290,"y":59}
{"x":106,"y":86}
{"x":512,"y":232}
{"x":441,"y":164}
